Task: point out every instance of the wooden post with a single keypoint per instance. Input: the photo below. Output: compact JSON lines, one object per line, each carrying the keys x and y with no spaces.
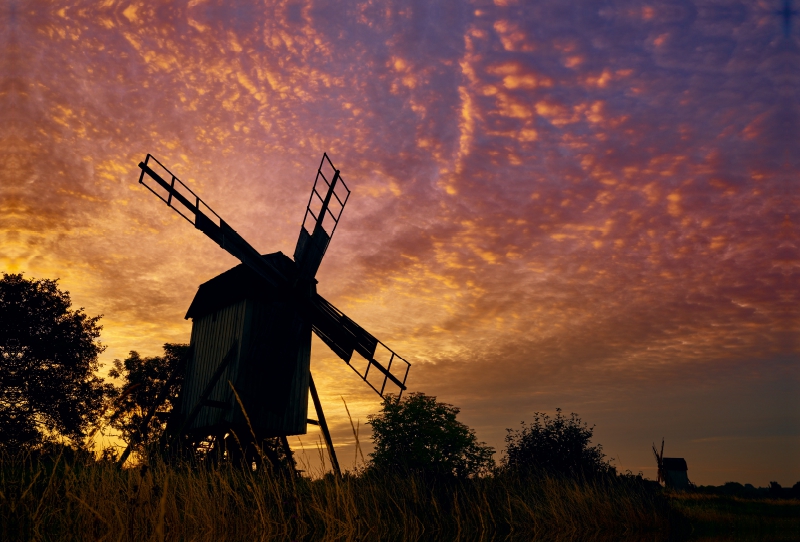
{"x":324,"y":426}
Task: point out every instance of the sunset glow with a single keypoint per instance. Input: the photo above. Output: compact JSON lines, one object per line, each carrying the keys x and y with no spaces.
{"x":591,"y":206}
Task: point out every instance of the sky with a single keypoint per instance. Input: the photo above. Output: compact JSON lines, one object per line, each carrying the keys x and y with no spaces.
{"x":590,"y":206}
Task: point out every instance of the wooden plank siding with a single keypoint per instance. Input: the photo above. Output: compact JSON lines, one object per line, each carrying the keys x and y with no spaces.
{"x":270,"y":371}
{"x":212,"y":337}
{"x":273,"y":381}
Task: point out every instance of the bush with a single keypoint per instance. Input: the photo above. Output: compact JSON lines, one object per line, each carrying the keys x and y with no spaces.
{"x":559,"y":445}
{"x":419,"y":434}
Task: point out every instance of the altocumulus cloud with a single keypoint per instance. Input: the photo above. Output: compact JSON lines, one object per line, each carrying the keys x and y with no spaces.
{"x":554,"y":204}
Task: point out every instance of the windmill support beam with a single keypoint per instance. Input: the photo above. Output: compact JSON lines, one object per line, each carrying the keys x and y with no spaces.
{"x":324,"y":426}
{"x":289,"y":455}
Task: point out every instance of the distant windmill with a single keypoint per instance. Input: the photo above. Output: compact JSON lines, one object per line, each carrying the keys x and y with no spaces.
{"x":672,"y":471}
{"x":252,"y":327}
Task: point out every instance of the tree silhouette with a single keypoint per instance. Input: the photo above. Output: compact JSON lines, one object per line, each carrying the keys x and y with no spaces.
{"x":559,"y":445}
{"x":48,"y":387}
{"x":419,"y":434}
{"x":144,"y":382}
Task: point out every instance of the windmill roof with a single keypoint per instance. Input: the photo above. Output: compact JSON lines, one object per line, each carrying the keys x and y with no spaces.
{"x":674,"y":463}
{"x":238,"y":283}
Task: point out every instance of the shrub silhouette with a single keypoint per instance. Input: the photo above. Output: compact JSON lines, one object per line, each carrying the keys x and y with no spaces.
{"x":559,"y":445}
{"x":419,"y":434}
{"x":143,"y":380}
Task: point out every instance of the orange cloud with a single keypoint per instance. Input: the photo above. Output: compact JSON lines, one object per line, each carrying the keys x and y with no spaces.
{"x":547,"y":210}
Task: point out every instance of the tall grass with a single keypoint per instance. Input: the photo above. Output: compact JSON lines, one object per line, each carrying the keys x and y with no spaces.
{"x":64,"y":500}
{"x":757,"y":518}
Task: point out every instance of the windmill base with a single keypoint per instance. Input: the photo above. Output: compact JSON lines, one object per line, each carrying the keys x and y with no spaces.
{"x":237,"y":447}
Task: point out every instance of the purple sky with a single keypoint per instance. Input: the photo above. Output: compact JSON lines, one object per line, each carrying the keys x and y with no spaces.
{"x":584,"y":205}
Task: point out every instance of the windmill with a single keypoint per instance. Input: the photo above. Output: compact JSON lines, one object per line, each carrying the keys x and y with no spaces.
{"x":672,"y":471}
{"x":249,"y":374}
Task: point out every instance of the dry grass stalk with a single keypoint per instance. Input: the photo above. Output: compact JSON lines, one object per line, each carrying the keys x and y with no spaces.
{"x":58,"y":499}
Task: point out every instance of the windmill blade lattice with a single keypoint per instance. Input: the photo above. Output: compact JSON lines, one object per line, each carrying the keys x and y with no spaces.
{"x":323,"y":211}
{"x":385,"y":371}
{"x":186,"y":203}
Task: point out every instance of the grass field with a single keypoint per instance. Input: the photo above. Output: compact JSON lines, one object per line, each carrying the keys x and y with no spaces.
{"x":722,"y":517}
{"x":98,"y":501}
{"x":61,"y":500}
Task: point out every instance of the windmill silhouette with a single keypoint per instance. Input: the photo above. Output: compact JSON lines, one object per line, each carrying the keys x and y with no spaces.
{"x":249,"y":374}
{"x":672,"y":471}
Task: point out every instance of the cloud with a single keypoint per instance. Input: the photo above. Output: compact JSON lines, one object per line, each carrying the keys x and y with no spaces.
{"x":547,"y":199}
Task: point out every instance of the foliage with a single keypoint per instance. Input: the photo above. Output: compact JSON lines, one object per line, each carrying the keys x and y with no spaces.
{"x":419,"y":434}
{"x":559,"y":445}
{"x":143,"y":381}
{"x":48,"y":385}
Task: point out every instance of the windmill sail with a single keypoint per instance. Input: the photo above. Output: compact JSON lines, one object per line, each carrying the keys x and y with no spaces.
{"x":659,"y":461}
{"x":325,"y":205}
{"x":343,"y":336}
{"x":186,"y":203}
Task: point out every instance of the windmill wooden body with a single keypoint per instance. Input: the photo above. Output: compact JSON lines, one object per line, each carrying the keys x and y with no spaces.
{"x":252,"y":325}
{"x":270,"y":365}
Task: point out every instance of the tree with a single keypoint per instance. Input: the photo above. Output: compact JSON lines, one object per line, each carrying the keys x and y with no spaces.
{"x":419,"y":434}
{"x":557,"y":445}
{"x":144,"y":382}
{"x":48,"y":385}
